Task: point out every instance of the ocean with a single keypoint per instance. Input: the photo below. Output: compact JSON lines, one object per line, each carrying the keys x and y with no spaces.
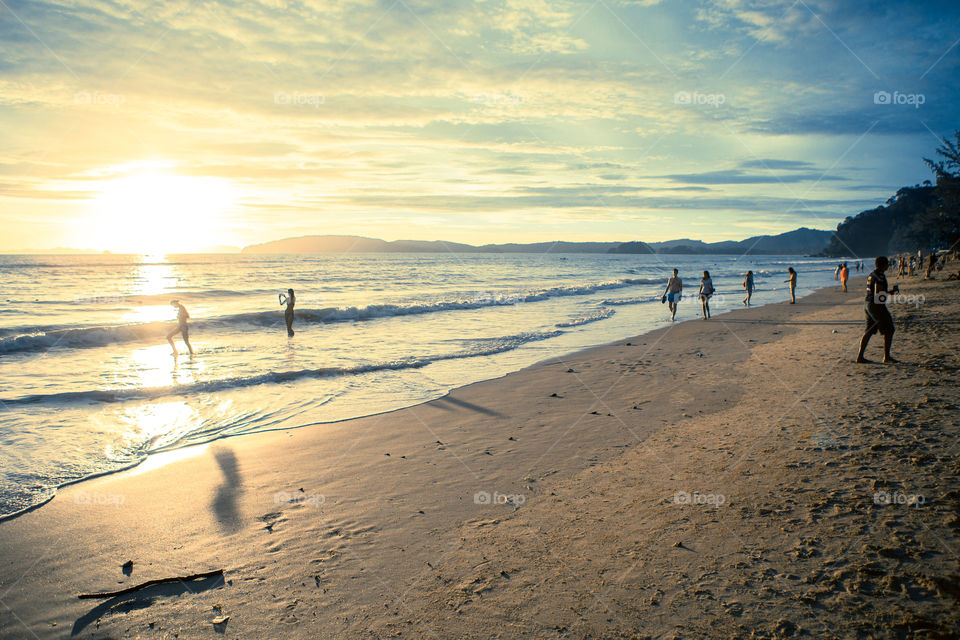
{"x":88,"y":384}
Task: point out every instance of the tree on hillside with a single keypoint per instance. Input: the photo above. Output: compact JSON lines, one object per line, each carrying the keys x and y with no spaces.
{"x":882,"y":230}
{"x":938,"y":227}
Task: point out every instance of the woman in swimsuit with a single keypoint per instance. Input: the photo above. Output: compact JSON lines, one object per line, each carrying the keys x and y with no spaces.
{"x":290,"y":299}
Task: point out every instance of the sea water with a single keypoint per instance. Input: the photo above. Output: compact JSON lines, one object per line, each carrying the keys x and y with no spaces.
{"x":89,"y":385}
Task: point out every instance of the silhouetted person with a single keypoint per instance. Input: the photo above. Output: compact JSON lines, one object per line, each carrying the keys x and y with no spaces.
{"x":878,"y":316}
{"x":182,"y":328}
{"x":793,"y":285}
{"x":290,"y":299}
{"x":748,"y":285}
{"x":931,"y":263}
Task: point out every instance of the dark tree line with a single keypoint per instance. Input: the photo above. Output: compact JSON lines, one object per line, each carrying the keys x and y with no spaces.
{"x":923,"y":216}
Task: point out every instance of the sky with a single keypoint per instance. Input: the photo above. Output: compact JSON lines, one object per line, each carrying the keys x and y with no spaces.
{"x":136,"y":126}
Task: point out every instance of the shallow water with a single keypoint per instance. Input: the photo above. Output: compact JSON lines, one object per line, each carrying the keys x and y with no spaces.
{"x":88,"y":383}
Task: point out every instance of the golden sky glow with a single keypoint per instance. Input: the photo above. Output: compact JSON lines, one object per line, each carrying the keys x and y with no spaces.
{"x":176,"y":126}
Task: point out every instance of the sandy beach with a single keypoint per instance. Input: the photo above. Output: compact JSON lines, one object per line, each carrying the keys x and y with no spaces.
{"x":737,"y":478}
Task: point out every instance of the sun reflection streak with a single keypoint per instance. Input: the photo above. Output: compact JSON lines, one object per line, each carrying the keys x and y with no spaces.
{"x":152,"y":277}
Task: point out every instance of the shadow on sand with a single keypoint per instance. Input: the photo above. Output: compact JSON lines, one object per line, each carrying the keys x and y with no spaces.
{"x":225,"y":502}
{"x":463,"y":404}
{"x":144,"y":598}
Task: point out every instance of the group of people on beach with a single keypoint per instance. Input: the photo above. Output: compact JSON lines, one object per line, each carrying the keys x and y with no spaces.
{"x":674,"y":291}
{"x":909,"y":264}
{"x":289,"y":299}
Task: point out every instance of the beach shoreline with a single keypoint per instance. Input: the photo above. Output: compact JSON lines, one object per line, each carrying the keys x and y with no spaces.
{"x":373,"y":526}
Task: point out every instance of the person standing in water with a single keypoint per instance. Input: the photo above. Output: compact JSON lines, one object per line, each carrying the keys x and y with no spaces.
{"x":793,"y":285}
{"x":748,"y":285}
{"x":290,"y":299}
{"x":844,"y":275}
{"x":879,"y":319}
{"x":182,"y":328}
{"x":706,"y":290}
{"x":673,"y":293}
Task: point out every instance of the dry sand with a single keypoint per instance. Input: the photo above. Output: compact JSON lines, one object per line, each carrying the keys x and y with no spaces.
{"x":735,"y":478}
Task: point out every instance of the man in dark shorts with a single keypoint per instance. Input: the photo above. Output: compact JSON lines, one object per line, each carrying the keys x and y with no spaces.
{"x":878,"y":318}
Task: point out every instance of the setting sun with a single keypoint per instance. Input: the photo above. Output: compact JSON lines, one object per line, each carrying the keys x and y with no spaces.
{"x":156,"y":211}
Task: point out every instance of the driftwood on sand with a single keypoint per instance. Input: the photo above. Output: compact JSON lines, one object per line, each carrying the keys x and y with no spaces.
{"x":150,"y":583}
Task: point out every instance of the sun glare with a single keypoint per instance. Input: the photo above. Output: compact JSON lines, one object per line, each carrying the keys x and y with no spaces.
{"x":155,"y":211}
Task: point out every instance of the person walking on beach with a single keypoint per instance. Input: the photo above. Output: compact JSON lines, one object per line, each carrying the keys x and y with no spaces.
{"x":878,"y":318}
{"x":793,"y":285}
{"x":289,"y":299}
{"x":673,"y":293}
{"x":748,"y":285}
{"x":844,"y":274}
{"x":182,"y":328}
{"x":836,"y":272}
{"x":706,"y":290}
{"x":931,"y":263}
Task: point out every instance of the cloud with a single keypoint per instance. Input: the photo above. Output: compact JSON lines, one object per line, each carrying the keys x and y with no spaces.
{"x":737,"y":176}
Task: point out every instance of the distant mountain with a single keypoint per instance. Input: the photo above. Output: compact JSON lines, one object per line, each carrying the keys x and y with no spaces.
{"x":800,"y":241}
{"x":632,"y":247}
{"x":358,"y":244}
